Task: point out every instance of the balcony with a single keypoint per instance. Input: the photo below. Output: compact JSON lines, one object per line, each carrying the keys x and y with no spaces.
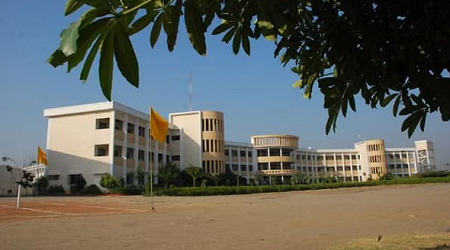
{"x":279,"y":172}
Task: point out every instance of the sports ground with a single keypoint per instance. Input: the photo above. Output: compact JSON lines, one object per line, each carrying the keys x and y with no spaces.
{"x":292,"y":220}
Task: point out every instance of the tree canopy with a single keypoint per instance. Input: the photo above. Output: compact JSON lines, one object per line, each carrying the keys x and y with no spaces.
{"x":387,"y":52}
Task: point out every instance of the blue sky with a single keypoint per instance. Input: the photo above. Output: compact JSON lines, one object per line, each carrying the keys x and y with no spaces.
{"x":254,"y":93}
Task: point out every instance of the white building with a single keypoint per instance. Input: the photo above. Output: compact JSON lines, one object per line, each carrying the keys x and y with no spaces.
{"x":94,"y":139}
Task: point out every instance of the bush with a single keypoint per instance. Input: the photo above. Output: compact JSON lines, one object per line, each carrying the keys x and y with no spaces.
{"x":435,"y":174}
{"x":56,"y":189}
{"x":127,"y":191}
{"x":229,"y":190}
{"x":92,"y":189}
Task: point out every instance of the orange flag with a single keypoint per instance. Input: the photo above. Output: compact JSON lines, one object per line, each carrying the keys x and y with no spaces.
{"x":42,"y":157}
{"x":159,"y":127}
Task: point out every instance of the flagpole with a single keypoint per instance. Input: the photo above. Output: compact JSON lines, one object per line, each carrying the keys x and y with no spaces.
{"x":151,"y":168}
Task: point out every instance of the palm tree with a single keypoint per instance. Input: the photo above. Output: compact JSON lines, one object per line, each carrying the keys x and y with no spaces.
{"x":168,"y":173}
{"x":194,"y":173}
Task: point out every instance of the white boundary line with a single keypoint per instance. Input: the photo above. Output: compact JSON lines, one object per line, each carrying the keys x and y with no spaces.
{"x":38,"y":210}
{"x":111,"y":208}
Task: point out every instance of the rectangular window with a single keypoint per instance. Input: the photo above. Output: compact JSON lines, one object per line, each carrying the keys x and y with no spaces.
{"x":175,"y":137}
{"x":274,"y":152}
{"x":101,"y":150}
{"x":249,"y":153}
{"x":102,"y":123}
{"x":227,"y":152}
{"x":160,"y":158}
{"x":242,"y":153}
{"x":53,"y":177}
{"x":141,"y":131}
{"x":130,"y":153}
{"x":250,"y":167}
{"x":141,"y":154}
{"x":117,"y":151}
{"x":175,"y":158}
{"x":234,"y":153}
{"x":203,"y":129}
{"x":73,"y":178}
{"x":243,"y":167}
{"x":234,"y":167}
{"x":130,"y":128}
{"x":118,"y":125}
{"x":261,"y":152}
{"x":206,"y":124}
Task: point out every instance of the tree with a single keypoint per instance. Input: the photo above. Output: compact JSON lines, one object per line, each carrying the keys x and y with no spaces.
{"x":41,"y":184}
{"x":194,"y":173}
{"x":385,"y":51}
{"x":108,"y":181}
{"x":168,"y":173}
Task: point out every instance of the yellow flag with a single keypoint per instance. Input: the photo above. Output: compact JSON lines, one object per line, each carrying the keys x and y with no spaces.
{"x":159,"y":127}
{"x":42,"y":157}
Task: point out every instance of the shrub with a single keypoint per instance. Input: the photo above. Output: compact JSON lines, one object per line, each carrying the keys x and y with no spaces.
{"x":92,"y":189}
{"x":55,"y":189}
{"x":128,"y":191}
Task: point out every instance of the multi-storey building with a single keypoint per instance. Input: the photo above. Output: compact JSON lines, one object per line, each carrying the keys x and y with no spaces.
{"x":94,"y":139}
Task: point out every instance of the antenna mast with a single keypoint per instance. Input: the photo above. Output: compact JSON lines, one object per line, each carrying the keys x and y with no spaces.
{"x":190,"y":92}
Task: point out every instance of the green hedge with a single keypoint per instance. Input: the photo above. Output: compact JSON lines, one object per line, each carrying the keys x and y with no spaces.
{"x":230,"y":190}
{"x":127,"y":191}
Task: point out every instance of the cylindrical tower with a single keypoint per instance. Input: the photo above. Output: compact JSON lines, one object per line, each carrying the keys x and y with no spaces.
{"x":213,"y":156}
{"x":276,"y":155}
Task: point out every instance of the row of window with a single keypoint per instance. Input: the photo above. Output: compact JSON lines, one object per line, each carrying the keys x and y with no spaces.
{"x":327,"y":157}
{"x":331,"y":169}
{"x":400,"y":156}
{"x":212,"y":145}
{"x":275,"y":152}
{"x":103,"y":123}
{"x":376,"y":170}
{"x":212,"y":125}
{"x":375,"y":158}
{"x":374,"y":147}
{"x":235,"y":153}
{"x":398,"y":166}
{"x":103,"y":150}
{"x":237,"y":167}
{"x":213,"y":167}
{"x":275,"y":165}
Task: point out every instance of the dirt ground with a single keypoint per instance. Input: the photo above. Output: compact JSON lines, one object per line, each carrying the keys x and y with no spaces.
{"x":291,"y":220}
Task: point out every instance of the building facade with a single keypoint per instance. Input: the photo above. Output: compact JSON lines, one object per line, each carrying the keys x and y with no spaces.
{"x":92,"y":140}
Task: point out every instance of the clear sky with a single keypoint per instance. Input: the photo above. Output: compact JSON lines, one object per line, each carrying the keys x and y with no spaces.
{"x":254,"y":93}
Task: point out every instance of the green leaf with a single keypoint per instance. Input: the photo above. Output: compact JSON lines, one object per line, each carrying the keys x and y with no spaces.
{"x":396,"y":105}
{"x":156,"y":30}
{"x":57,"y":58}
{"x":141,"y":23}
{"x":72,"y":6}
{"x":91,"y":56}
{"x":87,"y":37}
{"x":423,"y":121}
{"x":171,"y":19}
{"x":69,"y":38}
{"x":264,"y":22}
{"x":97,"y":3}
{"x":245,"y":43}
{"x":237,"y":41}
{"x":387,"y":100}
{"x":195,"y":27}
{"x":106,"y":64}
{"x":227,"y":37}
{"x":411,"y":123}
{"x":125,"y":56}
{"x":351,"y":100}
{"x":222,"y":28}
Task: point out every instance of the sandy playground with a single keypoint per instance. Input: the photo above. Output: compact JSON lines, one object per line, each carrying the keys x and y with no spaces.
{"x":291,"y":220}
